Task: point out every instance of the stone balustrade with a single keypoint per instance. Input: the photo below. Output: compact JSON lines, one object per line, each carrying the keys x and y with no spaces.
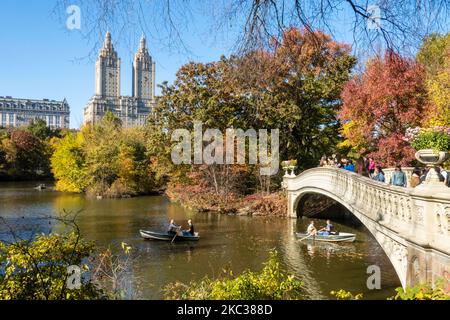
{"x":411,"y":224}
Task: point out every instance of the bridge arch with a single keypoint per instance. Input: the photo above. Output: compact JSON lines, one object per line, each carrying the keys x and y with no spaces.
{"x":411,"y":225}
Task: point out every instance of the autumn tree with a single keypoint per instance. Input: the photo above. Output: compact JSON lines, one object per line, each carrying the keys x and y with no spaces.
{"x":380,"y":104}
{"x":434,"y":55}
{"x":294,"y":86}
{"x":297,"y":89}
{"x":104,"y":160}
{"x":203,"y":92}
{"x":69,"y":163}
{"x":24,"y":155}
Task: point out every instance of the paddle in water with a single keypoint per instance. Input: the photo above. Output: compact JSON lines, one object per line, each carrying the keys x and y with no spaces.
{"x":176,"y":233}
{"x":309,"y":235}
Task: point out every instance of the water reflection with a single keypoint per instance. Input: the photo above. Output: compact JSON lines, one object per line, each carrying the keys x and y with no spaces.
{"x":226,"y":241}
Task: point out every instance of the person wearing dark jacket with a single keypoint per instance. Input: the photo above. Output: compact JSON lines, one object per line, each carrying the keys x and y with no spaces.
{"x":191,"y":230}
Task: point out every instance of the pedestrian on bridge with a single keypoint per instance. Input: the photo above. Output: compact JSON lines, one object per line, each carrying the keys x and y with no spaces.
{"x":398,"y":177}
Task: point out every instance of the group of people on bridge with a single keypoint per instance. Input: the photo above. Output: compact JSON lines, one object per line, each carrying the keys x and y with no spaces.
{"x":366,"y":166}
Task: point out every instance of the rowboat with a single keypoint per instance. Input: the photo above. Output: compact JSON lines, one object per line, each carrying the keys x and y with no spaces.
{"x":341,"y":237}
{"x":166,"y":236}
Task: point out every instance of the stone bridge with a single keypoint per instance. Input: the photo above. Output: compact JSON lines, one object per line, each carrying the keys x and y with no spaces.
{"x":411,"y":225}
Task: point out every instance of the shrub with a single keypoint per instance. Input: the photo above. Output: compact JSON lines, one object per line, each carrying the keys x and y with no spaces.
{"x":424,"y":292}
{"x":271,"y":283}
{"x":437,"y":138}
{"x":37,"y":269}
{"x":346,"y":295}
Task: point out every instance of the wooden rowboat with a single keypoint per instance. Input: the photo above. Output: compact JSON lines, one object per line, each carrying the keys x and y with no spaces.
{"x":341,"y":237}
{"x":166,"y":236}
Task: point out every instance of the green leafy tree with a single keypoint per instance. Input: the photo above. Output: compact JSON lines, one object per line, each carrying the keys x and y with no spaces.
{"x":41,"y":130}
{"x":104,"y":160}
{"x":101,"y":148}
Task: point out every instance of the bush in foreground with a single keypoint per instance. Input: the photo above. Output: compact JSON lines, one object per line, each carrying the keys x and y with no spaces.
{"x":37,"y":269}
{"x":271,"y":283}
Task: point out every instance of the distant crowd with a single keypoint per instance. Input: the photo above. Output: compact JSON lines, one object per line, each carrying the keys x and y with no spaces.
{"x":366,"y":166}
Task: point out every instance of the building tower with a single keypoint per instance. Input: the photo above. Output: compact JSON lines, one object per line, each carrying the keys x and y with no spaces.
{"x":143,"y":85}
{"x":107,"y":71}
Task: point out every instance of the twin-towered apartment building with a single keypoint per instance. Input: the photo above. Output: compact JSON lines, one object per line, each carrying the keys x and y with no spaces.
{"x":132,"y":110}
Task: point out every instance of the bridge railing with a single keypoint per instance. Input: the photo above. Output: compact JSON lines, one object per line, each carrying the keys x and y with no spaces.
{"x":421,"y":216}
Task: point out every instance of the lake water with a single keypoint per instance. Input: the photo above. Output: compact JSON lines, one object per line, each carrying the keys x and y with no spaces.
{"x":226,"y":241}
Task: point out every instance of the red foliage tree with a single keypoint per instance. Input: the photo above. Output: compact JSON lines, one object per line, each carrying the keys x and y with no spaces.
{"x":379,"y":105}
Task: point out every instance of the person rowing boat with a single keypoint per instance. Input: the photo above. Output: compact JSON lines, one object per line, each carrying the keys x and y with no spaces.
{"x":173,"y":227}
{"x":327,"y":230}
{"x":311,"y":230}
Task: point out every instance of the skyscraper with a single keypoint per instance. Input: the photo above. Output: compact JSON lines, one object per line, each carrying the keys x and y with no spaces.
{"x":134,"y":110}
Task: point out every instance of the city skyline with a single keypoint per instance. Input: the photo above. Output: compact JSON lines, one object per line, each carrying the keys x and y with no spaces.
{"x":58,"y":62}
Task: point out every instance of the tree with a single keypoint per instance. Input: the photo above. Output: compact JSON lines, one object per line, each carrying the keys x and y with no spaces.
{"x":256,"y":22}
{"x":104,"y":160}
{"x":434,"y":53}
{"x":435,"y":57}
{"x":296,"y":87}
{"x":69,"y":163}
{"x":25,"y":155}
{"x":204,"y":93}
{"x":379,"y":105}
{"x":40,"y":130}
{"x":101,"y":148}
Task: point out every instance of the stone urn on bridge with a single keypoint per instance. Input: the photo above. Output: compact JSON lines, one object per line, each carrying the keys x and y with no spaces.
{"x":432,"y":159}
{"x":432,"y":145}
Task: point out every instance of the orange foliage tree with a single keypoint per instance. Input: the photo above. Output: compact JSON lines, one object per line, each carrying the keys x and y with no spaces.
{"x":379,"y":105}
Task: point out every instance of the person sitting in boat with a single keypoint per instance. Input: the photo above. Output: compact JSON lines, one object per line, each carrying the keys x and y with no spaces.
{"x":173,"y":227}
{"x":327,"y":230}
{"x":190,"y":231}
{"x":311,"y":228}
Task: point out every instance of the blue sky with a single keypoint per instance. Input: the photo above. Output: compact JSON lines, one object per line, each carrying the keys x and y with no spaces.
{"x":41,"y":58}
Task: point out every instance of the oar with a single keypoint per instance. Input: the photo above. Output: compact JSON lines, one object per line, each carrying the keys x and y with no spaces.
{"x":176,"y":233}
{"x":307,"y":236}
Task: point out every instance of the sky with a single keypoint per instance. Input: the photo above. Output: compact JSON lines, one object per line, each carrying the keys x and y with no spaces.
{"x":41,"y":58}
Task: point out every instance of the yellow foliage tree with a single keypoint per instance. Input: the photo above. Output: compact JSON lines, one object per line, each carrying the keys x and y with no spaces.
{"x":439,"y":93}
